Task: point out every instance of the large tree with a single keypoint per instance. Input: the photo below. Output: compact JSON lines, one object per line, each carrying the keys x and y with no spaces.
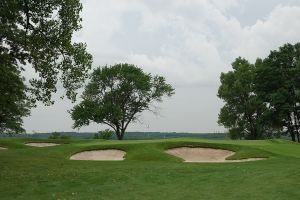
{"x":116,"y":95}
{"x":14,"y":103}
{"x":38,"y":34}
{"x":242,"y":112}
{"x":278,"y":84}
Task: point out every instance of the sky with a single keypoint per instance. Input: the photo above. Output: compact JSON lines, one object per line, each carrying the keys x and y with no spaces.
{"x":190,"y":42}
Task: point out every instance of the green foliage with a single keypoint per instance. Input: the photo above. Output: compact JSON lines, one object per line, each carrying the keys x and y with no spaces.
{"x":57,"y":135}
{"x":54,"y":135}
{"x":235,"y":133}
{"x":39,"y":34}
{"x":278,"y":84}
{"x":115,"y":95}
{"x":263,"y":100}
{"x":105,"y":134}
{"x":96,"y":136}
{"x":14,"y":103}
{"x":243,"y":108}
{"x":65,"y":137}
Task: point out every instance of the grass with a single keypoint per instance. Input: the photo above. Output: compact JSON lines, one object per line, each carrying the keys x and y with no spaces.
{"x":147,"y":172}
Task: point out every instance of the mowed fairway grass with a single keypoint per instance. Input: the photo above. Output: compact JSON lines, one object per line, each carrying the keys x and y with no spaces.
{"x":148,"y":172}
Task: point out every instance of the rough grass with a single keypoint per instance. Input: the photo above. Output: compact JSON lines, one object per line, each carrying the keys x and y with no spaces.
{"x":147,"y":172}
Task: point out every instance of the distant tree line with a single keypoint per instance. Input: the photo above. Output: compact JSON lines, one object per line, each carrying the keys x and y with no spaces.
{"x":262,"y":100}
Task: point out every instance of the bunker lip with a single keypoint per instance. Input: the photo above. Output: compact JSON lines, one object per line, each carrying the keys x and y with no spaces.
{"x":42,"y":144}
{"x":2,"y":148}
{"x":206,"y":155}
{"x":100,"y":154}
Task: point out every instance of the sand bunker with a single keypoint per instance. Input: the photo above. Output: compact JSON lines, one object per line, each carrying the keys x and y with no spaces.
{"x":189,"y":154}
{"x":3,"y":148}
{"x":41,"y":144}
{"x":104,"y":154}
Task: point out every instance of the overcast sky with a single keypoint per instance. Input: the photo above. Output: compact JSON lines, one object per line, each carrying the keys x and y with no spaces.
{"x":190,"y":42}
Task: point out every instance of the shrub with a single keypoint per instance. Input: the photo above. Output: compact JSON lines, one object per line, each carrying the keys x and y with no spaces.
{"x":235,"y":133}
{"x":65,"y":137}
{"x":96,"y":136}
{"x":106,"y":134}
{"x":54,"y":135}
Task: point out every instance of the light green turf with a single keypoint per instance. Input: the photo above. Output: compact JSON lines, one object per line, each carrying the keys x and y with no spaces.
{"x":147,"y":172}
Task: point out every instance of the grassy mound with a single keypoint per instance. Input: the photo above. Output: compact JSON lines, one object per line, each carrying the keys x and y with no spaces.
{"x":147,"y":171}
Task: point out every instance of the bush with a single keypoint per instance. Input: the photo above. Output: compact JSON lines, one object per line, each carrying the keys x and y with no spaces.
{"x":105,"y":135}
{"x":235,"y":133}
{"x":65,"y":137}
{"x":56,"y":135}
{"x":96,"y":136}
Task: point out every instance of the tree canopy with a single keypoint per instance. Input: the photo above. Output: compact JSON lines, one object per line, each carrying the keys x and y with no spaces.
{"x":38,"y":34}
{"x":263,"y":99}
{"x":243,"y":109}
{"x":278,"y":84}
{"x":14,"y":103}
{"x":116,"y":95}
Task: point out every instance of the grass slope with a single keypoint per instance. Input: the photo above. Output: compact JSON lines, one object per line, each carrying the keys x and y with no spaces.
{"x":147,"y":172}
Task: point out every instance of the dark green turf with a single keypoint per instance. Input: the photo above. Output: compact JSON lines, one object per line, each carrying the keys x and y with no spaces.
{"x":147,"y":172}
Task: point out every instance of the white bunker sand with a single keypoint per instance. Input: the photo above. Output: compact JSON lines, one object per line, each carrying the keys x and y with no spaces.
{"x":41,"y":144}
{"x":196,"y":154}
{"x":3,"y":148}
{"x":103,"y":154}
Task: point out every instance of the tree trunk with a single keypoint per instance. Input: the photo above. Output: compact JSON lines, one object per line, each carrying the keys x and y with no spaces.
{"x":291,"y":128}
{"x":119,"y":137}
{"x":292,"y":135}
{"x":296,"y":121}
{"x":120,"y":134}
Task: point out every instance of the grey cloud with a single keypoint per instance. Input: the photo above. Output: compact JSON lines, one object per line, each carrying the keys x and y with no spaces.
{"x":190,"y":42}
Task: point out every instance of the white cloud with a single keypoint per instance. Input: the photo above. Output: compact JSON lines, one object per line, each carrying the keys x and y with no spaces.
{"x":281,"y":26}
